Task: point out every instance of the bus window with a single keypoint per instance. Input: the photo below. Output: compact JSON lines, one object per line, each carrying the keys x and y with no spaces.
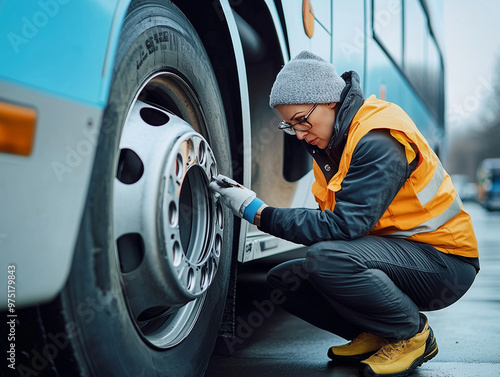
{"x":388,"y":27}
{"x":434,"y":80}
{"x":415,"y":34}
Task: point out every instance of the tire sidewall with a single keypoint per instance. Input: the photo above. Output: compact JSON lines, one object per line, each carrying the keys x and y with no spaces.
{"x":98,"y":323}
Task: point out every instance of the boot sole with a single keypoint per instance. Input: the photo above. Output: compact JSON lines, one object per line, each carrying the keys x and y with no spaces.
{"x":339,"y":359}
{"x":431,"y":350}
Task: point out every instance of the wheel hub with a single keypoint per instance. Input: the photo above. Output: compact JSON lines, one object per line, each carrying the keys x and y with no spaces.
{"x":167,"y":224}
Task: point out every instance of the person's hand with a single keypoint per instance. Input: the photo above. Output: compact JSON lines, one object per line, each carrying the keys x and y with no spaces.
{"x":242,"y":201}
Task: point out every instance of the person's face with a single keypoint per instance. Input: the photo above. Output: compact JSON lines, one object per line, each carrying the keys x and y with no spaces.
{"x":322,"y":119}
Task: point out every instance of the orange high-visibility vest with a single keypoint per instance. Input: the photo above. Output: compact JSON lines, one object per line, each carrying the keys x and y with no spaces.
{"x":427,"y":208}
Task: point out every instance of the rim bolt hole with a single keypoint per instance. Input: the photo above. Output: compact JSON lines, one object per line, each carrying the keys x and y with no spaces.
{"x":201,"y":153}
{"x":130,"y":167}
{"x":190,"y":280}
{"x":154,"y":117}
{"x":179,"y":167}
{"x":213,"y":170}
{"x":219,"y":215}
{"x":176,"y":254}
{"x":217,"y":245}
{"x":130,"y":251}
{"x":172,"y":214}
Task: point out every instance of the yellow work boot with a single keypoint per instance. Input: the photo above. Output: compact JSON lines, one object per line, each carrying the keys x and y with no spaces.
{"x":401,"y":358}
{"x":358,"y":349}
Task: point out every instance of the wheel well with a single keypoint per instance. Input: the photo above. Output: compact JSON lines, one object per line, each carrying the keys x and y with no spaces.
{"x":263,"y":60}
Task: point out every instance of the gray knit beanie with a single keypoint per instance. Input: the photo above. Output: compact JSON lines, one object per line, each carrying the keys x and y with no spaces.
{"x":307,"y":78}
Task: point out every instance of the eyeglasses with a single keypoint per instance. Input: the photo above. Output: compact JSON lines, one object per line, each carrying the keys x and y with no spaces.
{"x":301,"y":125}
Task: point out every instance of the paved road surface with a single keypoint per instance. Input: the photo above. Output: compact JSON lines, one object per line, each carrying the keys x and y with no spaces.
{"x":276,"y":344}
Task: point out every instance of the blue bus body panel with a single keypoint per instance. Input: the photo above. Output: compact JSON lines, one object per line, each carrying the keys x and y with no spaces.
{"x":56,"y":56}
{"x":62,"y":47}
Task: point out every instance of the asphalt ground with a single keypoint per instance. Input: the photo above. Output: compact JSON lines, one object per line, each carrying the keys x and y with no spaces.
{"x":271,"y":342}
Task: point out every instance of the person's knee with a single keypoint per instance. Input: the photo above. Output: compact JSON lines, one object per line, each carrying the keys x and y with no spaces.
{"x":330,"y":258}
{"x":286,"y":275}
{"x":273,"y":277}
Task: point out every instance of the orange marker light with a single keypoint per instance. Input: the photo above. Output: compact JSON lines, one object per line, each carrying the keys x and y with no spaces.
{"x":382,"y":92}
{"x":308,"y":17}
{"x":17,"y":129}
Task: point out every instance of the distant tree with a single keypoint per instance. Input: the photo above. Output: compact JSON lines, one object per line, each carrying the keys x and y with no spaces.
{"x":463,"y":153}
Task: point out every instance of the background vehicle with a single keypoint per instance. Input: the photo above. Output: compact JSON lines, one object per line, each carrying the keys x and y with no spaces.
{"x":488,"y":178}
{"x":465,"y":187}
{"x":113,"y":117}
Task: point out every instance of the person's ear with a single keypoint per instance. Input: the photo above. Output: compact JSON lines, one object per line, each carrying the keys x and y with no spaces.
{"x":332,"y":105}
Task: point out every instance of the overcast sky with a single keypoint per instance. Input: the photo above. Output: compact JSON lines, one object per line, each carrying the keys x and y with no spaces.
{"x":472,"y":48}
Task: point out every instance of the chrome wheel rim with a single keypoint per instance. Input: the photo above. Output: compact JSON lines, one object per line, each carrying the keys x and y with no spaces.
{"x":168,"y":226}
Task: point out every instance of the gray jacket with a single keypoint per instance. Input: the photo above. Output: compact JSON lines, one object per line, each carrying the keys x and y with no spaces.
{"x":377,"y":172}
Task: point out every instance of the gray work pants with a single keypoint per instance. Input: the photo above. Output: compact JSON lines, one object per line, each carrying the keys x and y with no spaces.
{"x":372,"y":284}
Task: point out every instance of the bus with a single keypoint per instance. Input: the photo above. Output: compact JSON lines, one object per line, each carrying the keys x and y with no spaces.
{"x":114,"y":116}
{"x":488,"y":181}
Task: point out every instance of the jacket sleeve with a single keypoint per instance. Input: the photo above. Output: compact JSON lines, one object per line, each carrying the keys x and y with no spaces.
{"x":377,"y":172}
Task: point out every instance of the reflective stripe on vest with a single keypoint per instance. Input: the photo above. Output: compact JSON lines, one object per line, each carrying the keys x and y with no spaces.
{"x":434,"y":223}
{"x":432,"y":188}
{"x":425,"y":196}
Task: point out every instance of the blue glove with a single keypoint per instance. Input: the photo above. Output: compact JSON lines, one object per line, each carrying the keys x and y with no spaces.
{"x":242,"y":201}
